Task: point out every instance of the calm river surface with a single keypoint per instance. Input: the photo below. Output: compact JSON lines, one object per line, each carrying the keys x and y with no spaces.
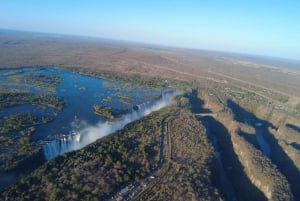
{"x":80,"y":92}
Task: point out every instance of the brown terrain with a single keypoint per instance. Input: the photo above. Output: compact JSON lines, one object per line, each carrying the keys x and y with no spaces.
{"x":241,"y":112}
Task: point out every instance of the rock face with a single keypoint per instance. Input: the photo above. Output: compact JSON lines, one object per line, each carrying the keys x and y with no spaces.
{"x":165,"y":155}
{"x":260,"y":170}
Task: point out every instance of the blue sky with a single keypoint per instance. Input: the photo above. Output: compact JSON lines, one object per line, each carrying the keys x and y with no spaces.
{"x":265,"y":27}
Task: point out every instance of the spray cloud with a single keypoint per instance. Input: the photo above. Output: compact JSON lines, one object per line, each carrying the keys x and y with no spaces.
{"x":89,"y":134}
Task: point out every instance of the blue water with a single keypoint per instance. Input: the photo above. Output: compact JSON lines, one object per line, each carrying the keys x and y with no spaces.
{"x":80,"y":92}
{"x":86,"y":134}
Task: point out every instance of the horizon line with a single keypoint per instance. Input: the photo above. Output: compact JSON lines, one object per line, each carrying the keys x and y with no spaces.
{"x":128,"y":41}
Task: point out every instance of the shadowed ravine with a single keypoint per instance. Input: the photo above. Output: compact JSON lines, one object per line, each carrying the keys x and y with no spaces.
{"x":88,"y":134}
{"x":229,"y":176}
{"x":276,"y":154}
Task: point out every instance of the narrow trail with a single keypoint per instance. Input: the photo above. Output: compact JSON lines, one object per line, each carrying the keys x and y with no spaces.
{"x":144,"y":187}
{"x":163,"y":168}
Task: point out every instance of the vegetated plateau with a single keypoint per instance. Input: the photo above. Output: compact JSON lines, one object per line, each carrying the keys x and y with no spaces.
{"x":232,"y":134}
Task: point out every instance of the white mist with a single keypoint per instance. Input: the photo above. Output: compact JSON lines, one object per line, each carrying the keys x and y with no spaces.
{"x":89,"y":134}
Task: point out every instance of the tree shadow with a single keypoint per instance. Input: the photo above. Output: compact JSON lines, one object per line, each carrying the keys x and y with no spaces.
{"x":278,"y":156}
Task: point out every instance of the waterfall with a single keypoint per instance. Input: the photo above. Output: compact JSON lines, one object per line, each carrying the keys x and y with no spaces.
{"x":88,"y":134}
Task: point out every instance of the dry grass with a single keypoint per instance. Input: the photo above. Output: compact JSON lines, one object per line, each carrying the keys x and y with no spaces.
{"x":31,"y":49}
